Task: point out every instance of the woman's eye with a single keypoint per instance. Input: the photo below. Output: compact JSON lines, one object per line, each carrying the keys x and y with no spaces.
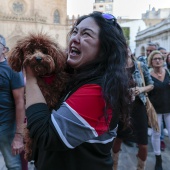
{"x":86,"y":33}
{"x":74,"y":32}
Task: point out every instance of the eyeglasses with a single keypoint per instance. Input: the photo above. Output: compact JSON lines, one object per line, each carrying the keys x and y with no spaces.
{"x":155,"y":59}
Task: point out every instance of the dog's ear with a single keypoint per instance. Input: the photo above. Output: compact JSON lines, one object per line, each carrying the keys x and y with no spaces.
{"x":59,"y":57}
{"x":16,"y":58}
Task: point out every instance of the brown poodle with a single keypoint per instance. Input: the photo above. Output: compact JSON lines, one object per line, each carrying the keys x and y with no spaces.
{"x":48,"y":62}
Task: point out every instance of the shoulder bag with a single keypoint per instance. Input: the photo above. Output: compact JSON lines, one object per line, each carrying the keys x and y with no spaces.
{"x":151,"y":113}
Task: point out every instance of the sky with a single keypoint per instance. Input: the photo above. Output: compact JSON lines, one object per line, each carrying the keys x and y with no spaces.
{"x":131,"y":9}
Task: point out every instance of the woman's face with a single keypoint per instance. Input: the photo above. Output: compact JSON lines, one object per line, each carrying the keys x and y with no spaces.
{"x":157,"y":61}
{"x":84,"y":43}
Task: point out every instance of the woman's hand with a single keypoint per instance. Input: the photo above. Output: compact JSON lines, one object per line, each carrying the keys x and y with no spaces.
{"x":138,"y":90}
{"x":132,"y":93}
{"x":33,"y":92}
{"x":29,"y":75}
{"x":146,"y":89}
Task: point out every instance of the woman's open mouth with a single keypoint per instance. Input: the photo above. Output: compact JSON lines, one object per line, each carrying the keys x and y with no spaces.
{"x":74,"y":51}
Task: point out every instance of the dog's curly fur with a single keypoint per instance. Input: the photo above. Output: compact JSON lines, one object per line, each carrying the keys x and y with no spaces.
{"x":48,"y":62}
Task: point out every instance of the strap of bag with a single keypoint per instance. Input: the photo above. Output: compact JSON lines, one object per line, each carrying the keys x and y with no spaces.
{"x":141,"y":72}
{"x":152,"y":116}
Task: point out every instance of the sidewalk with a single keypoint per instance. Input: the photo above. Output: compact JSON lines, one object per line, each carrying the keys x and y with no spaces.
{"x":128,"y":159}
{"x":3,"y":167}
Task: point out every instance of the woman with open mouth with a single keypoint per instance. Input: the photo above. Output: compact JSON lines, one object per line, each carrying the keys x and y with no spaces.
{"x":79,"y":133}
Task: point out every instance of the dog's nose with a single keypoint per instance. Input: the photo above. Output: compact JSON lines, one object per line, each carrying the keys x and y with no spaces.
{"x":38,"y":59}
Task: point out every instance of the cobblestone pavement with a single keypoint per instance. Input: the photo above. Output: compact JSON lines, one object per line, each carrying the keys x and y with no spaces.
{"x":128,"y":159}
{"x":3,"y":167}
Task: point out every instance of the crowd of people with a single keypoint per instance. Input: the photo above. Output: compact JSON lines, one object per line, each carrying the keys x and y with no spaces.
{"x":103,"y":105}
{"x":138,"y":131}
{"x":158,"y":64}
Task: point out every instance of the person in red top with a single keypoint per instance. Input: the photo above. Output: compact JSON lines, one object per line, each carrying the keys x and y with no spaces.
{"x":79,"y":133}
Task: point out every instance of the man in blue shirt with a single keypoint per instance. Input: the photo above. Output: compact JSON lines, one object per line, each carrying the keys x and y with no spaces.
{"x":12,"y":111}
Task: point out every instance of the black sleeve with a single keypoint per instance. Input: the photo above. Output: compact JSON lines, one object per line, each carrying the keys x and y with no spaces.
{"x":41,"y":128}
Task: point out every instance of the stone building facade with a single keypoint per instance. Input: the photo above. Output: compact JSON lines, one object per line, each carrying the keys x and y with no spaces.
{"x":153,"y":17}
{"x":20,"y":17}
{"x":157,"y":31}
{"x":158,"y":34}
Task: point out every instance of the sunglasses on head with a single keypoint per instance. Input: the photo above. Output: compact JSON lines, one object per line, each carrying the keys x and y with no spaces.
{"x":108,"y":16}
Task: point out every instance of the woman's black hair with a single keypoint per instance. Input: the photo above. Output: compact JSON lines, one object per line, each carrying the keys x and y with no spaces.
{"x":168,"y":64}
{"x":110,"y":64}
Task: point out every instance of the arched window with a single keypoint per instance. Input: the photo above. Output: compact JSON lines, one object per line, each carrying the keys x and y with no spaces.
{"x":18,"y":7}
{"x":56,"y":17}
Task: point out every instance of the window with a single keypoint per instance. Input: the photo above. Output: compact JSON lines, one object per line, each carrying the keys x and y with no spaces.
{"x":126,"y":32}
{"x":108,"y":8}
{"x":18,"y":7}
{"x":56,"y":17}
{"x":100,"y":7}
{"x":98,"y":1}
